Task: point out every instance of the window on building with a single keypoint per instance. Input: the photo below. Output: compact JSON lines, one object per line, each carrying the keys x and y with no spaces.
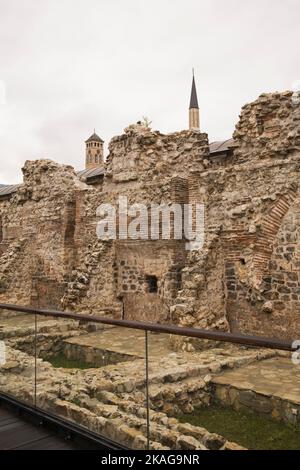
{"x":152,"y":284}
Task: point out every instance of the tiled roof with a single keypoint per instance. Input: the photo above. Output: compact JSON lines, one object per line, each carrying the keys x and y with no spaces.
{"x":6,"y":190}
{"x":90,"y":173}
{"x":220,"y":146}
{"x":94,"y":138}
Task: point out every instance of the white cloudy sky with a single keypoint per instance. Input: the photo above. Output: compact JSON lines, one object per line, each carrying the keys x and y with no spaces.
{"x":71,"y":65}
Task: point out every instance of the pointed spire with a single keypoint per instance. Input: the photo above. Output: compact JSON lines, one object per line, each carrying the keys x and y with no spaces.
{"x":94,"y":138}
{"x":194,"y":113}
{"x":194,"y":99}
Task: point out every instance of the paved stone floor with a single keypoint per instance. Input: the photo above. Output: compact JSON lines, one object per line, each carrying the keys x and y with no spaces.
{"x":125,"y":341}
{"x":22,"y":320}
{"x":277,"y":377}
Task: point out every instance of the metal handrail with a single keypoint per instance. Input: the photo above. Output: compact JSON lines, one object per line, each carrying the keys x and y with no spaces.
{"x":235,"y":338}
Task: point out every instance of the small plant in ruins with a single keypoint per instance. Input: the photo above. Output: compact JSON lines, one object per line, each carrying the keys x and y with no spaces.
{"x":146,"y":122}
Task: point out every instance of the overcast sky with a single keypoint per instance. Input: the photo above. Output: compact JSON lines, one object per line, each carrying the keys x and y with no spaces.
{"x":71,"y":65}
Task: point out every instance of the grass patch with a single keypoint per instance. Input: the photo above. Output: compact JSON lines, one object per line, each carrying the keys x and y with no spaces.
{"x":76,"y":401}
{"x":60,"y":360}
{"x":250,"y":430}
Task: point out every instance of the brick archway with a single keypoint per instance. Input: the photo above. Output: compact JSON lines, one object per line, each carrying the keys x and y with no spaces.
{"x":269,"y":229}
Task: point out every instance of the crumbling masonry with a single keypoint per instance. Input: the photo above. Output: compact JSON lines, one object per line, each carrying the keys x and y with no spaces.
{"x":247,"y":276}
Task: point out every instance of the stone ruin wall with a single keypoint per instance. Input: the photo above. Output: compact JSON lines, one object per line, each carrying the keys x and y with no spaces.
{"x":37,"y":232}
{"x":246,"y":277}
{"x":250,"y":263}
{"x":138,"y":168}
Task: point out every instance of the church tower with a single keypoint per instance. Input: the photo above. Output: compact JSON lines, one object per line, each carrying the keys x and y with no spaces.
{"x":194,"y":119}
{"x":94,"y":156}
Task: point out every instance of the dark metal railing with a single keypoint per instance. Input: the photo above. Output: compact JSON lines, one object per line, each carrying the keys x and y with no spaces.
{"x":246,"y":340}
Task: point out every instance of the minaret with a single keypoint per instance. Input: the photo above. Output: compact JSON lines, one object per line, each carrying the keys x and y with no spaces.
{"x":194,"y":120}
{"x":94,"y":152}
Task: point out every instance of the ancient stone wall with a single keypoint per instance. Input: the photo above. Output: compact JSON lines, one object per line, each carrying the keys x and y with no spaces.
{"x":148,"y":167}
{"x":245,"y":277}
{"x":38,"y":233}
{"x":250,"y":220}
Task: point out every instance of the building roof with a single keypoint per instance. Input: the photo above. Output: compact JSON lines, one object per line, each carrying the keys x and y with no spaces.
{"x":6,"y":190}
{"x":94,"y":138}
{"x":194,"y":99}
{"x":90,"y":173}
{"x":220,"y":146}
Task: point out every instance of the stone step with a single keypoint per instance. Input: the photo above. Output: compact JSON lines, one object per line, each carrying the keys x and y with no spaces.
{"x":165,"y":433}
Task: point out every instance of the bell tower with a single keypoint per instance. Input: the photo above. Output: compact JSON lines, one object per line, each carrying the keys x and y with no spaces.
{"x":94,"y":156}
{"x":194,"y":117}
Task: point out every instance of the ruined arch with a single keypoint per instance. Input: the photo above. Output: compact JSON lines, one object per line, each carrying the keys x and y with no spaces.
{"x":263,"y":296}
{"x":269,"y":230}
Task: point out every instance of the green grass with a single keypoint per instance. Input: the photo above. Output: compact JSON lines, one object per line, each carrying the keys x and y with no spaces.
{"x":76,"y":401}
{"x":60,"y":360}
{"x":248,"y":429}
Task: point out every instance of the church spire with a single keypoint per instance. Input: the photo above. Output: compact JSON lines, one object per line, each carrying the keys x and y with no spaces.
{"x":194,"y":120}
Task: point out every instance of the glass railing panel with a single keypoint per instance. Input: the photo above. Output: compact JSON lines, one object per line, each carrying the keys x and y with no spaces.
{"x":216,"y":395}
{"x":94,"y":375}
{"x":17,"y":355}
{"x":152,"y":390}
